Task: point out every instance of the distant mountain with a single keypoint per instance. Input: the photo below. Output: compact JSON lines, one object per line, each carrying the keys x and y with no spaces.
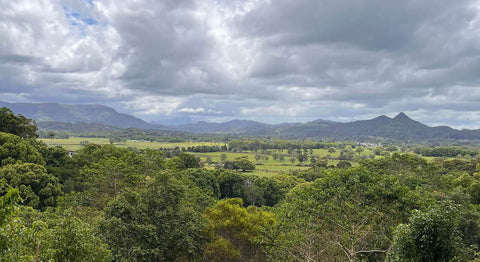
{"x":400,"y":127}
{"x":98,"y":118}
{"x":77,"y":113}
{"x":78,"y":127}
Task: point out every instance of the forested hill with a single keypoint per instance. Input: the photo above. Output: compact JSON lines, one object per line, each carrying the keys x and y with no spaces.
{"x":77,"y":113}
{"x":400,"y":127}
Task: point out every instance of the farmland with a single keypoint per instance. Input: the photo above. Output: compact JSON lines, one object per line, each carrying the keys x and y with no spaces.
{"x":265,"y":164}
{"x":75,"y":143}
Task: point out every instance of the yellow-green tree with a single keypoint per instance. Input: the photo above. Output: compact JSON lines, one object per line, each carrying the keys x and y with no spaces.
{"x":235,"y":231}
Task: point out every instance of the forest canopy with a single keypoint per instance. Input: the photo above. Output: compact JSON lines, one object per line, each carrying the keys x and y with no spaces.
{"x":108,"y":203}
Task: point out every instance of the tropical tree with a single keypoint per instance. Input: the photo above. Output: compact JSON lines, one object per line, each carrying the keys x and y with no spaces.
{"x":17,"y":124}
{"x":108,"y":177}
{"x":346,"y":214}
{"x":13,"y":150}
{"x":430,"y":235}
{"x":235,"y":231}
{"x":38,"y":189}
{"x":160,"y":222}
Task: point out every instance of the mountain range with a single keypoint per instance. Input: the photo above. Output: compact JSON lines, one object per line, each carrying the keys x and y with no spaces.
{"x":42,"y":112}
{"x":62,"y":117}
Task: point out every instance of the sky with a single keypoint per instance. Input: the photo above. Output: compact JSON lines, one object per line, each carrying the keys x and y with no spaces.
{"x":267,"y":60}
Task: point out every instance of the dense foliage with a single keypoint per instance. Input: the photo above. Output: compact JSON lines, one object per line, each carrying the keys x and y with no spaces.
{"x":122,"y":204}
{"x":16,"y":124}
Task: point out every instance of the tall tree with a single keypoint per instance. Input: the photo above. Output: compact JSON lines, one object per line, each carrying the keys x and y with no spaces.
{"x":37,"y":188}
{"x":17,"y":124}
{"x":106,"y":178}
{"x":13,"y":150}
{"x":160,"y":222}
{"x":347,"y":214}
{"x":429,"y":236}
{"x":236,"y":228}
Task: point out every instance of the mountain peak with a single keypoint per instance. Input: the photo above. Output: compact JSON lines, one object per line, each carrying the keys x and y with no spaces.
{"x":382,"y":118}
{"x":402,"y":116}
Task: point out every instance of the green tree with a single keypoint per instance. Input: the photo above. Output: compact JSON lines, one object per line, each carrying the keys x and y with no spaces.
{"x":175,"y":163}
{"x":261,"y":191}
{"x":46,"y":236}
{"x":160,"y":222}
{"x":51,"y":135}
{"x":182,"y":161}
{"x":17,"y":124}
{"x":234,"y":227}
{"x":190,"y":161}
{"x":205,"y":180}
{"x":231,"y":184}
{"x":108,"y":177}
{"x":113,"y":140}
{"x":411,"y":170}
{"x":9,"y":197}
{"x":223,"y":157}
{"x":15,"y":150}
{"x":344,"y":164}
{"x":38,"y":189}
{"x":59,"y":164}
{"x":154,"y":160}
{"x":244,"y":164}
{"x":347,"y":214}
{"x":430,"y":236}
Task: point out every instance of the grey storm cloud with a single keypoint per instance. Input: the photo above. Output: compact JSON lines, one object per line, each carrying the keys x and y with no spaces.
{"x":273,"y":61}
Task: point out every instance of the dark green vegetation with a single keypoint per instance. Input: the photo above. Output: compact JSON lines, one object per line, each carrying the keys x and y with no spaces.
{"x":108,"y":203}
{"x":16,"y":124}
{"x":95,"y":120}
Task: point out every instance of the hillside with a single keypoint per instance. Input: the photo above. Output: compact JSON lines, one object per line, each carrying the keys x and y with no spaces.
{"x":77,"y":113}
{"x":400,"y":127}
{"x":99,"y":118}
{"x":78,"y":127}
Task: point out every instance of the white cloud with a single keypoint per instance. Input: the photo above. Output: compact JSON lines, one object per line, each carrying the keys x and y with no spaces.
{"x":277,"y":110}
{"x":191,"y":110}
{"x":257,"y":59}
{"x":153,"y":105}
{"x":198,"y":110}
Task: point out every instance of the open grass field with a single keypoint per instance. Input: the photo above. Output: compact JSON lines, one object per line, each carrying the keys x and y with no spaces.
{"x":271,"y":166}
{"x":74,"y":143}
{"x":263,"y":167}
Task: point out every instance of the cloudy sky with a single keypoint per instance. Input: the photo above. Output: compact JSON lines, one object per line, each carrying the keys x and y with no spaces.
{"x":267,"y":60}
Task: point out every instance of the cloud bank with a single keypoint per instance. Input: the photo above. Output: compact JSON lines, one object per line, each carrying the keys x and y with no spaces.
{"x":265,"y":60}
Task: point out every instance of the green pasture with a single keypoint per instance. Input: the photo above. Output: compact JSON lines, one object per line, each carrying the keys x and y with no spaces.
{"x":263,"y":167}
{"x":74,"y":143}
